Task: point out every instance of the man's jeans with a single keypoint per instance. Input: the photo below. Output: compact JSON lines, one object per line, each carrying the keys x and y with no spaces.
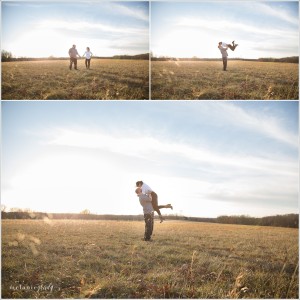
{"x":148,"y":225}
{"x":73,"y":60}
{"x":224,"y":63}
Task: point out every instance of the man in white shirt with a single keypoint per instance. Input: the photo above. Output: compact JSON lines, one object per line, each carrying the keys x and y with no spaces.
{"x":146,"y":189}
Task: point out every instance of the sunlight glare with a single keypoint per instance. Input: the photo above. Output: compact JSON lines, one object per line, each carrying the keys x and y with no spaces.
{"x":64,"y":182}
{"x":40,"y":43}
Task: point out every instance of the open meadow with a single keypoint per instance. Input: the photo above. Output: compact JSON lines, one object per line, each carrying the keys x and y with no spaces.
{"x":51,"y":79}
{"x":108,"y":259}
{"x":244,"y":80}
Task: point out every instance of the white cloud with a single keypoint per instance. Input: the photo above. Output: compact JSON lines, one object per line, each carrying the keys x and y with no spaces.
{"x":127,"y":11}
{"x":71,"y":179}
{"x":258,"y":122}
{"x":265,"y":9}
{"x":259,"y":29}
{"x":50,"y":38}
{"x":73,"y":168}
{"x":84,"y":26}
{"x":237,"y":28}
{"x":149,"y":147}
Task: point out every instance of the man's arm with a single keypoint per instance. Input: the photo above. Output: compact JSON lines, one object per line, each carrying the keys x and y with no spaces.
{"x":222,"y":48}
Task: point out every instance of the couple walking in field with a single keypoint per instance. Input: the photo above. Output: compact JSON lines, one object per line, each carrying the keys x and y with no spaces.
{"x":73,"y":53}
{"x":223,"y":49}
{"x":148,"y":200}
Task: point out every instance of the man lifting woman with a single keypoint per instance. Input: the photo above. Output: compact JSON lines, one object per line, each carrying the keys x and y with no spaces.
{"x":144,"y":189}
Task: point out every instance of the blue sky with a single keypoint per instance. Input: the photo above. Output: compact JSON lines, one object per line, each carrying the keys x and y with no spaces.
{"x":206,"y":158}
{"x":42,"y":29}
{"x":262,"y":29}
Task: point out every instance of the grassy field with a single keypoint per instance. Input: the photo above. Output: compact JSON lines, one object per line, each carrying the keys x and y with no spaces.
{"x":206,"y":80}
{"x":108,"y":259}
{"x":50,"y":80}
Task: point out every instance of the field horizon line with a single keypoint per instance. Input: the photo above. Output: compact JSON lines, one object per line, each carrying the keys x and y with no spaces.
{"x":287,"y":220}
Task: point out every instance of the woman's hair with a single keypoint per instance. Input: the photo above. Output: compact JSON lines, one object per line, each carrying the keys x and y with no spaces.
{"x":88,"y":48}
{"x":138,"y":183}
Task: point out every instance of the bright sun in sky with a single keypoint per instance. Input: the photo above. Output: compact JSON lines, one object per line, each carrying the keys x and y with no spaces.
{"x":43,"y":29}
{"x":178,"y":29}
{"x":187,"y":29}
{"x":207,"y":159}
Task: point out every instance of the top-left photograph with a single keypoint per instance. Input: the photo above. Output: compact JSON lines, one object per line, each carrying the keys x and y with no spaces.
{"x":75,"y":50}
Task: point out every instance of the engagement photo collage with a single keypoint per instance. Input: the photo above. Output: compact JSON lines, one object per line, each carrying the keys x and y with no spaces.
{"x":149,"y":149}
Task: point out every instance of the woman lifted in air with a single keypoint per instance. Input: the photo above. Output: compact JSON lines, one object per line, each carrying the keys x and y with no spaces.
{"x":143,"y":188}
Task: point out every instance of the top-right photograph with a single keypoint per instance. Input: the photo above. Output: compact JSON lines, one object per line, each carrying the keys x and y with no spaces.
{"x":225,"y":50}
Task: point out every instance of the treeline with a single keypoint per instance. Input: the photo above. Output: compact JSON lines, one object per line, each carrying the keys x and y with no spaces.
{"x":292,"y":59}
{"x":145,"y":56}
{"x":288,"y":220}
{"x":168,"y":58}
{"x":7,"y":56}
{"x":86,"y":215}
{"x":67,"y":216}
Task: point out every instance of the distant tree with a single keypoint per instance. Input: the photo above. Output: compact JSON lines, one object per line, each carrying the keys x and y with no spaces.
{"x":15,"y":209}
{"x":5,"y":55}
{"x":23,"y":210}
{"x":3,"y":208}
{"x":289,"y":220}
{"x":85,"y":212}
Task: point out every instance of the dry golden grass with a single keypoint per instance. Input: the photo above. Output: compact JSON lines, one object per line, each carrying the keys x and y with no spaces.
{"x":108,"y":259}
{"x":244,"y":80}
{"x":50,"y":80}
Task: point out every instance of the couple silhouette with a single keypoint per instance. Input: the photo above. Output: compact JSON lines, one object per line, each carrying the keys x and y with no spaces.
{"x":73,"y":53}
{"x":223,"y":49}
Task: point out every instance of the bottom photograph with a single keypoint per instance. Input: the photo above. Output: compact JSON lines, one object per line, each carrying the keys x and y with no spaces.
{"x":134,"y":199}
